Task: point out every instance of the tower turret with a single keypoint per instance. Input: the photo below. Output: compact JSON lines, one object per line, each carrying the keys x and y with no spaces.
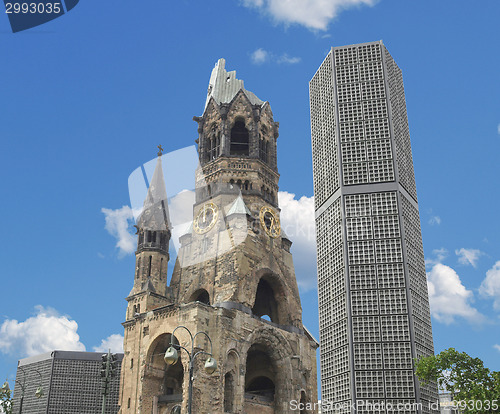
{"x":237,"y":140}
{"x":153,"y":237}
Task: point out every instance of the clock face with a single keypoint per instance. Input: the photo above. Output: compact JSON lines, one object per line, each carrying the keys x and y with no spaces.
{"x":206,"y":218}
{"x":270,"y":222}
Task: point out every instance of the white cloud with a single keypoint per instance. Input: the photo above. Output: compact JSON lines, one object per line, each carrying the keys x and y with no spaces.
{"x":284,"y":58}
{"x":44,"y":332}
{"x":498,"y":129}
{"x":468,"y":256}
{"x":261,"y":56}
{"x":113,"y":342}
{"x":491,"y":285}
{"x":297,"y":221}
{"x":313,"y":14}
{"x":117,"y":224}
{"x":497,"y":347}
{"x":440,"y":255}
{"x":448,"y":298}
{"x":435,"y":220}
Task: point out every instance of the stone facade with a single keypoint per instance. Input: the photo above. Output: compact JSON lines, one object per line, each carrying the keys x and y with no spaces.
{"x":233,"y":278}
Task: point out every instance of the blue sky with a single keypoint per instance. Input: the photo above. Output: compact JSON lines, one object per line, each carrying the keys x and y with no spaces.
{"x":86,"y":98}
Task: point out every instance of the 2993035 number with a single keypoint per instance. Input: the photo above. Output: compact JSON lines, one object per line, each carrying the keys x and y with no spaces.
{"x":33,"y":8}
{"x":477,"y":405}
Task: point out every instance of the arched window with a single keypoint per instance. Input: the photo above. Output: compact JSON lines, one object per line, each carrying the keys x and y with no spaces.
{"x":239,"y":138}
{"x":228,"y":393}
{"x":150,"y":264}
{"x":161,"y":379}
{"x":303,"y":402}
{"x":201,"y":295}
{"x":265,"y":302}
{"x":260,"y":374}
{"x":138,"y":270}
{"x":263,"y":150}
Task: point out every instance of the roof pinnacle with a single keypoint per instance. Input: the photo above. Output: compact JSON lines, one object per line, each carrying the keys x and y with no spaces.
{"x":160,"y":150}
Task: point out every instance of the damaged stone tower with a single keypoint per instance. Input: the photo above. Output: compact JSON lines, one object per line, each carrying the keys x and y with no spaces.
{"x":233,"y":278}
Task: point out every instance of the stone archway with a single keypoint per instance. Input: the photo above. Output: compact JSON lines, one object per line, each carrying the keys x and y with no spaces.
{"x":268,"y":375}
{"x":163,"y":383}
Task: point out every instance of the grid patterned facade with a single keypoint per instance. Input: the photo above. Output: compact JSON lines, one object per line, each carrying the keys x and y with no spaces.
{"x":373,"y":299}
{"x":71,"y":383}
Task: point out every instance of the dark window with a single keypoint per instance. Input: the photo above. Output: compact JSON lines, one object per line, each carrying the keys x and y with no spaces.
{"x":264,"y":150}
{"x":201,"y":295}
{"x":265,"y":302}
{"x":239,"y":139}
{"x":149,"y":267}
{"x":214,"y":145}
{"x":228,"y":393}
{"x":303,"y":402}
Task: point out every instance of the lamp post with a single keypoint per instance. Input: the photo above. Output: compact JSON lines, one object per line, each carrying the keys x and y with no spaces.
{"x":171,"y":357}
{"x":38,"y":393}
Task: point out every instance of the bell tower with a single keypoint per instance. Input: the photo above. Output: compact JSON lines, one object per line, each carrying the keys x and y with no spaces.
{"x":233,"y":278}
{"x":153,"y":237}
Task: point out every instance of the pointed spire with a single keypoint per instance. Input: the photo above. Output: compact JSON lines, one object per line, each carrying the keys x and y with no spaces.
{"x":238,"y":207}
{"x":155,"y":215}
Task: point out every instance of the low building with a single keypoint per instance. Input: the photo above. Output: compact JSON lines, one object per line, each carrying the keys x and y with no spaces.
{"x":71,"y":383}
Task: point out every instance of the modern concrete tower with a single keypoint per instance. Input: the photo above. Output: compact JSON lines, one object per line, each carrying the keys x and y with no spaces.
{"x":70,"y":381}
{"x":233,"y":278}
{"x":373,"y":299}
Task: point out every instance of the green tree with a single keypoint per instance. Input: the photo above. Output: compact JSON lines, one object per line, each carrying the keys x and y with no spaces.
{"x":5,"y":399}
{"x":475,"y":388}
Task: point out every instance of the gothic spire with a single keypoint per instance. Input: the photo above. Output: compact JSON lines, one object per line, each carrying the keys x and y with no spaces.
{"x":155,"y":215}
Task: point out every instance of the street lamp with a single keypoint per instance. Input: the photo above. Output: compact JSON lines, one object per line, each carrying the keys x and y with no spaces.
{"x":171,"y":357}
{"x":38,"y":393}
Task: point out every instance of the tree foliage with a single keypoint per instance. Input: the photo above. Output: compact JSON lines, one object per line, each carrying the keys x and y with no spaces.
{"x":466,"y":378}
{"x":5,"y":401}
